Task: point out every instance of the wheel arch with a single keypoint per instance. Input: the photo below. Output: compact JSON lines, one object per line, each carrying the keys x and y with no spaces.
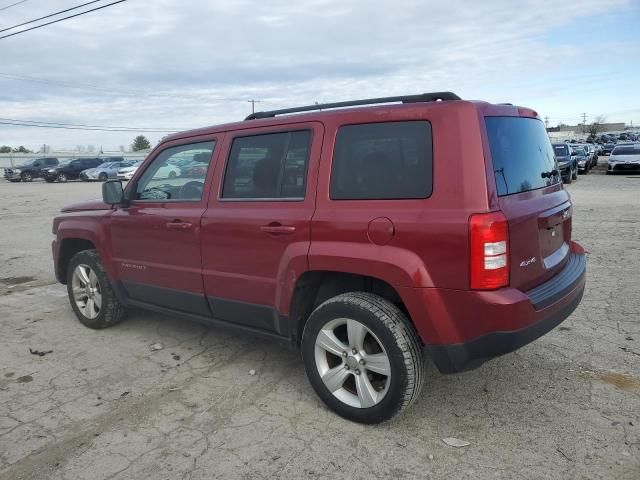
{"x":314,"y":287}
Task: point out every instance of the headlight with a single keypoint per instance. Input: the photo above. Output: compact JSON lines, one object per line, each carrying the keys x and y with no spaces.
{"x":17,"y":170}
{"x":52,"y":170}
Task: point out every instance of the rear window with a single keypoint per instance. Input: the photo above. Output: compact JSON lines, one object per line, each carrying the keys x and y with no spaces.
{"x":523,"y":158}
{"x":630,"y":150}
{"x":561,"y":150}
{"x":382,"y":161}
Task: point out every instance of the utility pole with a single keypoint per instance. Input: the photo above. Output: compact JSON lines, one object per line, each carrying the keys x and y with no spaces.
{"x":253,"y":104}
{"x":546,"y":121}
{"x":584,"y":122}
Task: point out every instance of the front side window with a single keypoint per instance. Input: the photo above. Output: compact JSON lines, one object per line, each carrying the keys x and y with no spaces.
{"x":177,"y":173}
{"x":268,"y":166}
{"x":389,"y":161}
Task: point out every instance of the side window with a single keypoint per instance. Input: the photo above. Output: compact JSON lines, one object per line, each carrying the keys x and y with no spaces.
{"x":390,"y":160}
{"x":177,"y":173}
{"x":272,"y":165}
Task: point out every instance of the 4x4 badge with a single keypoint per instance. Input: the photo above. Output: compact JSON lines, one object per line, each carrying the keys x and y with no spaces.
{"x":526,"y":263}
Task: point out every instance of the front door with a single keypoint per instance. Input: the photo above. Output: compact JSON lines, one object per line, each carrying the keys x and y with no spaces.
{"x":156,"y":239}
{"x":256,"y":232}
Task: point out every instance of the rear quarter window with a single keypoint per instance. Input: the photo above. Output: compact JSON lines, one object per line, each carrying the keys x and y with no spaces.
{"x":523,"y":159}
{"x":382,"y":161}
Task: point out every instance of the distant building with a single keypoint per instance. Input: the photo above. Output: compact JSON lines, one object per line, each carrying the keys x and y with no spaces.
{"x":580,"y":128}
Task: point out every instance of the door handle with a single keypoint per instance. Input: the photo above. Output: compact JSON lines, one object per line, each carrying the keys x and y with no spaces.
{"x":178,"y":226}
{"x":278,"y":229}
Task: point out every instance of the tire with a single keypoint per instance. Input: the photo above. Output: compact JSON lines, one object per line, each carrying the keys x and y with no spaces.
{"x":27,"y":177}
{"x":102,"y":177}
{"x":574,"y":174}
{"x":48,"y":180}
{"x":387,"y":333}
{"x":62,"y":178}
{"x":567,"y":180}
{"x":110,"y":311}
{"x":609,"y":172}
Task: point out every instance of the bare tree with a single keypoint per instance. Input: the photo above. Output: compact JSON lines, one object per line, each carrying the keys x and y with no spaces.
{"x":597,"y":126}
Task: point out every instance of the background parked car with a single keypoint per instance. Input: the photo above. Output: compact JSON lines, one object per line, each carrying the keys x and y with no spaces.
{"x":127,"y":172}
{"x":567,"y":164}
{"x":70,"y":169}
{"x":579,"y":153}
{"x":30,"y":170}
{"x":608,"y":147}
{"x":624,"y":158}
{"x":105,"y":171}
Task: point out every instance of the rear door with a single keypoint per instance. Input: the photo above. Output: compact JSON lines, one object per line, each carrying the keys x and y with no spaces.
{"x":531,"y":196}
{"x":256,"y":231}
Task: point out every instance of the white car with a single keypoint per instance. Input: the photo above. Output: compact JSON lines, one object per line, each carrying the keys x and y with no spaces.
{"x":165,"y":171}
{"x":625,"y":157}
{"x":127,"y":172}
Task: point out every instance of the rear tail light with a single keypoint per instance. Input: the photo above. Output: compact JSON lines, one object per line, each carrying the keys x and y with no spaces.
{"x":488,"y":251}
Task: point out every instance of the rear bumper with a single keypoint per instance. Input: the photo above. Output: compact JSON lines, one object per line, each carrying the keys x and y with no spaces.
{"x":464,"y":329}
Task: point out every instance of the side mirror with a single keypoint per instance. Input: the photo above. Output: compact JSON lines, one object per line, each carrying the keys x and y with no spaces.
{"x":112,"y":192}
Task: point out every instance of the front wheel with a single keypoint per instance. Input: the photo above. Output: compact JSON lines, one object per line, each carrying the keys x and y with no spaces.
{"x":90,"y":293}
{"x":62,"y":178}
{"x":27,"y":177}
{"x":574,"y":174}
{"x":363,"y":357}
{"x":102,"y":177}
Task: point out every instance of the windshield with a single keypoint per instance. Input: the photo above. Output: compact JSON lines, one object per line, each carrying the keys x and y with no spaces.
{"x":561,"y":150}
{"x":65,"y":162}
{"x":627,"y":150}
{"x":578,"y":150}
{"x":523,"y":158}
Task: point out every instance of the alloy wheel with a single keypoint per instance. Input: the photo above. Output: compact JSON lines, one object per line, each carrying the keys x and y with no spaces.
{"x":352,"y":363}
{"x":87,"y":292}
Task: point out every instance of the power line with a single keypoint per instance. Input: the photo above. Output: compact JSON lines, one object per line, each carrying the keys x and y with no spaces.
{"x":86,"y":86}
{"x":13,"y":5}
{"x":62,"y":19}
{"x":71,"y":126}
{"x":48,"y":16}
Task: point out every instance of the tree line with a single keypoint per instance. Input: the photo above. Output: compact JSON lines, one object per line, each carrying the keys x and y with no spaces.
{"x":139,"y":143}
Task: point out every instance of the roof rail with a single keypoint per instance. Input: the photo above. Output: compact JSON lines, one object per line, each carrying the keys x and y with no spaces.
{"x":423,"y":97}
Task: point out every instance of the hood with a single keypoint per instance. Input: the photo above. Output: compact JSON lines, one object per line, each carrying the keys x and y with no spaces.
{"x":96,"y":204}
{"x":563,"y":158}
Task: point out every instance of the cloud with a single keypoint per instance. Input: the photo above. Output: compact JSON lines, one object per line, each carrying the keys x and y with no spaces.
{"x":174,"y":64}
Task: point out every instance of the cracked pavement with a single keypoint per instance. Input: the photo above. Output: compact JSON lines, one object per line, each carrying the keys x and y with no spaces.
{"x":103,"y":405}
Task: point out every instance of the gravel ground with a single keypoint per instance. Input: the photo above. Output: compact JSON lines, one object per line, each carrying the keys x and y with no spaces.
{"x":102,"y":404}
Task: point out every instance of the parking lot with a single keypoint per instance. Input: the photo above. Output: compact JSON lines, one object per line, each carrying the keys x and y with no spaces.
{"x":204,"y":403}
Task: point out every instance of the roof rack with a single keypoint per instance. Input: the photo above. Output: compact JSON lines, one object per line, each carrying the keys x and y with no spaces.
{"x":423,"y":97}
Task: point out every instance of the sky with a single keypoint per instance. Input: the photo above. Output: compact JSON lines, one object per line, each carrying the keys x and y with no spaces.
{"x":174,"y":65}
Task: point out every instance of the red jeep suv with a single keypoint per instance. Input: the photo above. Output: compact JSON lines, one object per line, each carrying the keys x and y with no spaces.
{"x":368,"y":237}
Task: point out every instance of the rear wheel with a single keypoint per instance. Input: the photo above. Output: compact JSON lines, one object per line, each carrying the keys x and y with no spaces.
{"x":62,"y":177}
{"x":102,"y":177}
{"x":26,"y":177}
{"x":363,"y":357}
{"x":90,"y":293}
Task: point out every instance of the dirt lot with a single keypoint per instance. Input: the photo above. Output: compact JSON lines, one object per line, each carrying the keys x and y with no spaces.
{"x":103,"y":405}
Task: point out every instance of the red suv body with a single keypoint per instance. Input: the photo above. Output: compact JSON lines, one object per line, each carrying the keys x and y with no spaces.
{"x":452,"y":211}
